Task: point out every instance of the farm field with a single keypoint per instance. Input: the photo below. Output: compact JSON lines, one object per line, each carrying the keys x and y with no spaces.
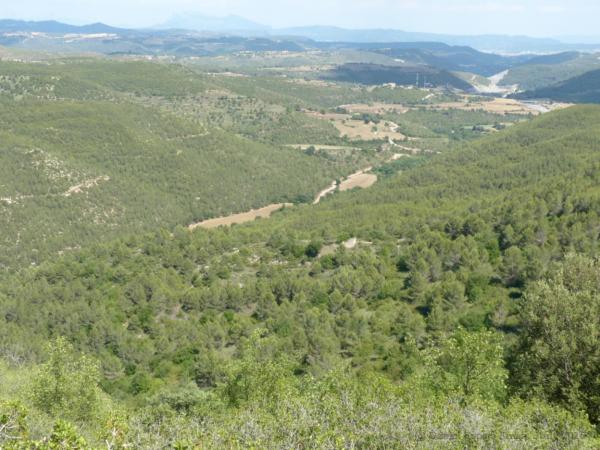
{"x":375,"y":108}
{"x":500,"y":106}
{"x":362,"y":180}
{"x":360,"y":130}
{"x":234,"y":219}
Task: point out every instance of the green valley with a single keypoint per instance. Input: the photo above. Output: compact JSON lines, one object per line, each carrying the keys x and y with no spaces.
{"x":243,"y":240}
{"x":249,"y":323}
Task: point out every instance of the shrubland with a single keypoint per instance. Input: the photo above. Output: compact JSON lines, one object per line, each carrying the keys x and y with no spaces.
{"x":454,"y":304}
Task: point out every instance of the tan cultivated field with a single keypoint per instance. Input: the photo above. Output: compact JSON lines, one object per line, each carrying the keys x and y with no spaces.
{"x":358,"y":129}
{"x":500,"y":106}
{"x":331,"y":148}
{"x":375,"y":108}
{"x":358,"y":180}
{"x":248,"y":216}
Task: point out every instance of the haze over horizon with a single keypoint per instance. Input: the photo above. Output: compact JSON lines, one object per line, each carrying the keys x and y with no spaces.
{"x":537,"y":18}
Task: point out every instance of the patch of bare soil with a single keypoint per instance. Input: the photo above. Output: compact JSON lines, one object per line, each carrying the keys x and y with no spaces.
{"x":332,"y":148}
{"x":362,"y":179}
{"x":244,"y":217}
{"x":499,"y":106}
{"x":375,"y":108}
{"x":87,"y":184}
{"x":329,"y":190}
{"x":359,"y":129}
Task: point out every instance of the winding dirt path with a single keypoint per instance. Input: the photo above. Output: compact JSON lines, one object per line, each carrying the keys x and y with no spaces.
{"x":362,"y":179}
{"x":330,"y":190}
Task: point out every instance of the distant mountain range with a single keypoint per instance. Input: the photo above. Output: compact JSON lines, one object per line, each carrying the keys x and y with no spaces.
{"x":492,"y":43}
{"x":197,"y":24}
{"x":53,"y":27}
{"x":489,"y":43}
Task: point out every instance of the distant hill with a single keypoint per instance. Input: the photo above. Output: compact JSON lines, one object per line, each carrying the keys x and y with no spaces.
{"x":197,"y":35}
{"x":55,"y":37}
{"x":439,"y":55}
{"x":490,"y":43}
{"x":375,"y":74}
{"x":549,"y":70}
{"x":235,"y":25}
{"x":581,"y":89}
{"x":51,"y":26}
{"x":555,"y":58}
{"x":199,"y":22}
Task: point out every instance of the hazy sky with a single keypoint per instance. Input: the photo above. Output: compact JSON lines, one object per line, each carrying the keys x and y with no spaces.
{"x":531,"y":17}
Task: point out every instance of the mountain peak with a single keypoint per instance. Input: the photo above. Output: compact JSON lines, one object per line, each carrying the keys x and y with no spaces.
{"x":200,"y":22}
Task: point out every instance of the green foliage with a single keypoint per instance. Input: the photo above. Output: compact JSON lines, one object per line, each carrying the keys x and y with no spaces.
{"x":550,"y":70}
{"x":316,"y":96}
{"x":469,"y":365}
{"x":66,"y":385}
{"x":122,"y":156}
{"x":375,"y":319}
{"x":376,"y":74}
{"x":344,"y":411}
{"x":455,"y":124}
{"x":584,"y":88}
{"x":558,"y":357}
{"x":64,"y":436}
{"x":313,"y":249}
{"x":256,"y":376}
{"x":14,"y":432}
{"x":13,"y":425}
{"x":451,"y":242}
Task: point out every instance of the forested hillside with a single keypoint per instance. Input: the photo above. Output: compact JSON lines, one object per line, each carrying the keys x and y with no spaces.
{"x":453,"y":305}
{"x":95,"y":148}
{"x":374,"y":74}
{"x":90,"y":149}
{"x":548,"y":70}
{"x":581,"y":89}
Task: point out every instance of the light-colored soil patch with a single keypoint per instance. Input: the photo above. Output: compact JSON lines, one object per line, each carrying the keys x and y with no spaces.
{"x":332,"y":148}
{"x":8,"y":200}
{"x":545,"y":107}
{"x":332,"y":117}
{"x":376,"y":108}
{"x":228,"y":74}
{"x":87,"y":184}
{"x":496,"y":106}
{"x":492,"y":85}
{"x":359,"y":130}
{"x":329,"y":190}
{"x":248,"y":216}
{"x":362,"y":179}
{"x":350,"y":244}
{"x":500,"y":106}
{"x":328,"y":250}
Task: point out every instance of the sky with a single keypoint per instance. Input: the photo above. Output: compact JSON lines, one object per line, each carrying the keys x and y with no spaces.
{"x":550,"y":18}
